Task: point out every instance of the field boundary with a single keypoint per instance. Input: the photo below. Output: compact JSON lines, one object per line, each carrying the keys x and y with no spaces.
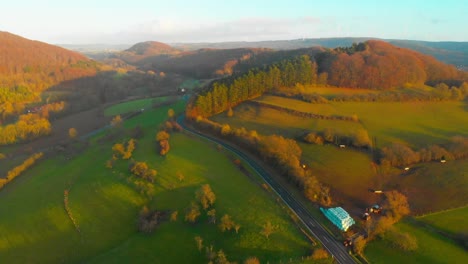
{"x":301,"y":113}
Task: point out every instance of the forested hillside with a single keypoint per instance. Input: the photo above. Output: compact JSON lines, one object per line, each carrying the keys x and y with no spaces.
{"x":380,"y":65}
{"x":38,"y":65}
{"x":29,"y":67}
{"x":373,"y":64}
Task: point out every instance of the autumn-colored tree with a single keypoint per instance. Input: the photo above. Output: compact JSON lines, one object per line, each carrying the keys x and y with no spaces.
{"x":16,"y":171}
{"x":268,"y":229}
{"x":180,"y":176}
{"x":199,"y":242}
{"x":174,"y":215}
{"x":320,"y":253}
{"x":211,"y":216}
{"x":170,"y":113}
{"x":72,"y":133}
{"x":130,"y":148}
{"x":110,"y":163}
{"x":118,"y":149}
{"x":252,"y":260}
{"x":237,"y":227}
{"x":230,"y":112}
{"x":359,"y":244}
{"x":192,"y":213}
{"x":396,"y":205}
{"x":116,"y":121}
{"x":141,"y":169}
{"x":205,"y":196}
{"x":225,"y":130}
{"x":162,"y":137}
{"x":148,"y":220}
{"x":226,"y":223}
{"x":313,"y":138}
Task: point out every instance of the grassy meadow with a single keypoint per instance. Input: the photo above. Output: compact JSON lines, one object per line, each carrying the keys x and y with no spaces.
{"x":432,"y":248}
{"x":35,"y":228}
{"x":417,"y":124}
{"x":452,"y":221}
{"x":134,"y":105}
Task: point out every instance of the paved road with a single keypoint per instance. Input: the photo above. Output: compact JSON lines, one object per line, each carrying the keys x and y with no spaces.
{"x":335,"y":248}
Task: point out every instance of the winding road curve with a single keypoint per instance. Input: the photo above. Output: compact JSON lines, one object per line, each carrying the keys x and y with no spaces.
{"x":335,"y":248}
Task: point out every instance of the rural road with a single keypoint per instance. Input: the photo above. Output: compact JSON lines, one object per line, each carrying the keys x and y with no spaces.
{"x":335,"y":248}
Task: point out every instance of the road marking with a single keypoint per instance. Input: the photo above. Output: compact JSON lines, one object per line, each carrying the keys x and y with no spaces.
{"x":311,"y":223}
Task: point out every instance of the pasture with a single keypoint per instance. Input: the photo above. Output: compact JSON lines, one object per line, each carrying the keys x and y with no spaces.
{"x":432,"y":248}
{"x":417,"y":124}
{"x":451,"y":221}
{"x":134,"y":105}
{"x":35,"y":228}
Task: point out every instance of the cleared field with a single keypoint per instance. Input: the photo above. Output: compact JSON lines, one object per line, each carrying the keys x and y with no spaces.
{"x":350,"y":173}
{"x":452,"y":221}
{"x":434,"y":186}
{"x":130,"y":106}
{"x":432,"y":248}
{"x":416,"y":123}
{"x":35,"y":228}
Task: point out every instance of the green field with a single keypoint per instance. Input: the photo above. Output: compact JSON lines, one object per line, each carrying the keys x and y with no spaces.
{"x":34,"y":227}
{"x":432,"y":248}
{"x":271,"y":121}
{"x":416,"y":123}
{"x":131,"y":106}
{"x":452,"y":221}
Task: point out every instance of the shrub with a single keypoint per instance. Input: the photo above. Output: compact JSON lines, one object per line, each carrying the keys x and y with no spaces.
{"x":319,"y":253}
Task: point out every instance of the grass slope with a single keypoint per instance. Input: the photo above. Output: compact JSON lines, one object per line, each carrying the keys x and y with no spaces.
{"x":34,"y":227}
{"x":451,"y":221}
{"x":130,"y":106}
{"x":432,"y":248}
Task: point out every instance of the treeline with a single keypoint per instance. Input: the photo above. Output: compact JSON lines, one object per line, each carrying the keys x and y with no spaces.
{"x":16,"y":171}
{"x":28,"y":127}
{"x":221,"y":95}
{"x":401,"y":155}
{"x":281,"y":153}
{"x":305,"y":114}
{"x":359,"y":138}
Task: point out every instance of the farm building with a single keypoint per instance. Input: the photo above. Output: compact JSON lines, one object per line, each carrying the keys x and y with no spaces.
{"x":339,"y":217}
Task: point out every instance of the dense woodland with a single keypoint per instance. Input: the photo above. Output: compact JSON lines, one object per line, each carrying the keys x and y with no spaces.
{"x":231,"y":91}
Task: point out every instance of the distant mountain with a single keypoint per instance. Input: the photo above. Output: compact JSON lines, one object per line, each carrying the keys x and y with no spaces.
{"x":143,"y":50}
{"x":37,"y":65}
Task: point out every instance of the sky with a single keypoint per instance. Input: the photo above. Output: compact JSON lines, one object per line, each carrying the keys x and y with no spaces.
{"x":173,"y":21}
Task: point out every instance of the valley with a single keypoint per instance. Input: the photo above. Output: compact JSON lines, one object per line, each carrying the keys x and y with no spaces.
{"x":230,"y":152}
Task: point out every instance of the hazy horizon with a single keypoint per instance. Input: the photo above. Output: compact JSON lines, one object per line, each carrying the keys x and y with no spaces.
{"x":119,"y":22}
